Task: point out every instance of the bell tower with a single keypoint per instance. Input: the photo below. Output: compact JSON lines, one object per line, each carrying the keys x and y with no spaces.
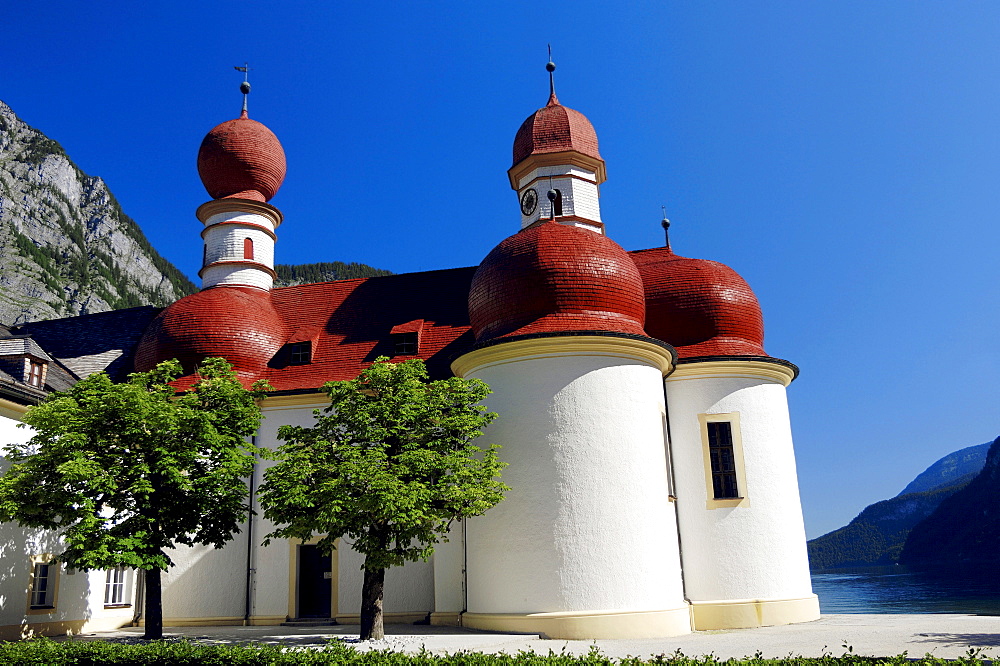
{"x":242,"y":165}
{"x":558,"y":170}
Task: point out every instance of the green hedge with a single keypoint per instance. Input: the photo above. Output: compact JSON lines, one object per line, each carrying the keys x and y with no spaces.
{"x":87,"y":653}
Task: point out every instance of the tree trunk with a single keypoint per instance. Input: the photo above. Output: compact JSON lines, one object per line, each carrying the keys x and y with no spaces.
{"x":154,"y":606}
{"x":371,"y":605}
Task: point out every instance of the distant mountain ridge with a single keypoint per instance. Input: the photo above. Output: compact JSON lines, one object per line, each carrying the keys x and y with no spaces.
{"x":965,"y":528}
{"x":879,"y":533}
{"x":963,"y":464}
{"x":66,"y":247}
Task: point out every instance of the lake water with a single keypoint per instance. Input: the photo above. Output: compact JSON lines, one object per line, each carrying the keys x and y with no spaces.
{"x":899,"y":590}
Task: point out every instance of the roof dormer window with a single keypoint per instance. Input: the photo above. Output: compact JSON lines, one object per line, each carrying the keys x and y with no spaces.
{"x":300,"y":353}
{"x":405,"y":344}
{"x":35,"y":373}
{"x":406,"y":338}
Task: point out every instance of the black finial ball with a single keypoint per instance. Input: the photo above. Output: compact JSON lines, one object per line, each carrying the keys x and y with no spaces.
{"x":552,"y":195}
{"x":245,"y":88}
{"x":665,"y":224}
{"x":550,"y":66}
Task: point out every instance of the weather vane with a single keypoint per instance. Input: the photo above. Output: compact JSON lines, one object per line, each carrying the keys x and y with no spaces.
{"x":245,"y":86}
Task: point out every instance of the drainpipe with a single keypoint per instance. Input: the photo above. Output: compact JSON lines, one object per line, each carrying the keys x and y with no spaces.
{"x":673,"y":481}
{"x":248,"y":606}
{"x":465,"y":573}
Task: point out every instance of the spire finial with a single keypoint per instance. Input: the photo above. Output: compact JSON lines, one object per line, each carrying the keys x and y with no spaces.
{"x":245,"y":86}
{"x":550,"y":67}
{"x":665,"y":223}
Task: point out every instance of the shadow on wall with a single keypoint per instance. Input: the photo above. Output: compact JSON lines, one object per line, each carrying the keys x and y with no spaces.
{"x":64,"y":606}
{"x":206,"y":583}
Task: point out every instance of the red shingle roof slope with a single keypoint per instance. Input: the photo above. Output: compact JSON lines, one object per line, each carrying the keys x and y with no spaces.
{"x":241,"y":158}
{"x":555,"y":128}
{"x":554,"y":278}
{"x":701,"y":307}
{"x":355,"y":318}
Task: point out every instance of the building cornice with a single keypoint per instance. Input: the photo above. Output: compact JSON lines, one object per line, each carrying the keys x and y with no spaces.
{"x":758,"y":367}
{"x":567,"y":157}
{"x":233,"y":205}
{"x":237,"y":262}
{"x":500,"y":352}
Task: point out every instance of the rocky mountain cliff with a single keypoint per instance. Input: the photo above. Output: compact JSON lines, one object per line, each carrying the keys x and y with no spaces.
{"x":878,"y":534}
{"x":66,"y":247}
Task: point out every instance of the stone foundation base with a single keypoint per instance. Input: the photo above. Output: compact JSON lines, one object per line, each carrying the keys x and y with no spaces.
{"x":747,"y":613}
{"x":586,"y":624}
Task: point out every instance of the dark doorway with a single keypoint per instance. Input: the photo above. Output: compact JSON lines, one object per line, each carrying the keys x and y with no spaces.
{"x":315,"y":572}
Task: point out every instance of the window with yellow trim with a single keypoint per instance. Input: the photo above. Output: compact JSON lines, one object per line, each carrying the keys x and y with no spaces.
{"x":725,"y":477}
{"x":43,"y":585}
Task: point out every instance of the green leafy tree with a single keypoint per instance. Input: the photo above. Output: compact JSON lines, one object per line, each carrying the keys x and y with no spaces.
{"x":390,"y":464}
{"x":125,"y":472}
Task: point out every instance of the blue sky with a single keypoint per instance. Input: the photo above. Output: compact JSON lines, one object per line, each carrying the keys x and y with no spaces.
{"x":842,"y":156}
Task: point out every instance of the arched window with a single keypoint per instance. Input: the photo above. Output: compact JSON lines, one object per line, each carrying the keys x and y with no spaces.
{"x":204,"y":255}
{"x":248,"y":248}
{"x":557,"y":204}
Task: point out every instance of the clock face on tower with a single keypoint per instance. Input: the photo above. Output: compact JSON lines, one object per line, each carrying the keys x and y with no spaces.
{"x":529,"y":201}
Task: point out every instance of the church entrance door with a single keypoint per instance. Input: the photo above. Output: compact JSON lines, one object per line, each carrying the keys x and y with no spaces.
{"x":315,"y":582}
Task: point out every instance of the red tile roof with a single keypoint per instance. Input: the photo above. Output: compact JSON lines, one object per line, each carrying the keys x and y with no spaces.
{"x":555,"y":128}
{"x":554,"y":278}
{"x":241,"y":158}
{"x":702,"y":308}
{"x":356,"y":318}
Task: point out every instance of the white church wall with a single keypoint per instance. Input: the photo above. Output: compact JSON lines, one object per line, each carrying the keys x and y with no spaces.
{"x":77,"y":597}
{"x":449,"y":578}
{"x":755,"y":551}
{"x":587,"y":527}
{"x":409,"y":590}
{"x":273,"y":578}
{"x":230,"y":275}
{"x":206,"y":583}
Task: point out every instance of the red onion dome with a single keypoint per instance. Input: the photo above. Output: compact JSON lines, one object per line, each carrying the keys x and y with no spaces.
{"x":553,"y":278}
{"x":236,"y":323}
{"x":553,"y":129}
{"x":242,"y":159}
{"x":701,"y":307}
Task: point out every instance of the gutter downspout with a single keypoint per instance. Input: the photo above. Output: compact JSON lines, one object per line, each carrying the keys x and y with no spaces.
{"x":673,"y":481}
{"x":248,"y":606}
{"x":465,"y":573}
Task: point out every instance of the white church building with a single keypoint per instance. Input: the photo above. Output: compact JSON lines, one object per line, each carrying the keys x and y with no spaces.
{"x":651,"y":465}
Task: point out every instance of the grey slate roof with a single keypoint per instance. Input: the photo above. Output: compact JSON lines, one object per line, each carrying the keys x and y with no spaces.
{"x":20,"y":346}
{"x":91,"y":343}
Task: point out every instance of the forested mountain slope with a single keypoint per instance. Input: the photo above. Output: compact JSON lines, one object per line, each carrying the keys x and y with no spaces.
{"x":877,"y":535}
{"x":965,"y":528}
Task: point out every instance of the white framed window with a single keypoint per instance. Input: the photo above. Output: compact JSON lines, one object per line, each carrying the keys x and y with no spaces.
{"x":725,"y":475}
{"x":116,"y":587}
{"x":35,"y":373}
